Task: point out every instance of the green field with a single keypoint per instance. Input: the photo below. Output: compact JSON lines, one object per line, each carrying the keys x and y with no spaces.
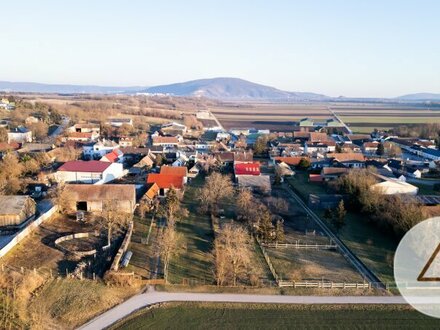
{"x":194,"y":261}
{"x":254,"y":316}
{"x":370,"y":243}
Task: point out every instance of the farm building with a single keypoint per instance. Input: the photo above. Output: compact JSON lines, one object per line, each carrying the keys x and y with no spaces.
{"x":93,"y":171}
{"x":91,"y":198}
{"x":259,"y":183}
{"x":166,"y":141}
{"x":391,"y":186}
{"x":16,"y":211}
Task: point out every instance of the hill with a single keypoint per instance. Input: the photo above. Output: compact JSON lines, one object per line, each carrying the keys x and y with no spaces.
{"x":231,"y":88}
{"x":420,"y":97}
{"x":31,"y":87}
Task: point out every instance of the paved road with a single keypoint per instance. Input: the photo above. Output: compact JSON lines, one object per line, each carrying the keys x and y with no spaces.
{"x":340,"y":120}
{"x":346,"y":252}
{"x":152,"y":297}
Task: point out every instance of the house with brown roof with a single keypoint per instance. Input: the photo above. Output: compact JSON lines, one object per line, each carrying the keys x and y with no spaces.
{"x":81,"y":136}
{"x":291,"y":161}
{"x":92,"y":198}
{"x":93,"y":171}
{"x":332,"y":173}
{"x":165,"y":141}
{"x":151,"y":193}
{"x":352,"y":160}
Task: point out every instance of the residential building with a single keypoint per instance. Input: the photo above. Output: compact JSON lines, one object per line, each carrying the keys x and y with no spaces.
{"x":125,"y":141}
{"x":252,"y":168}
{"x":166,"y":182}
{"x":20,"y":135}
{"x":166,"y":141}
{"x":116,"y":156}
{"x":96,"y":150}
{"x":93,"y":171}
{"x":175,"y":170}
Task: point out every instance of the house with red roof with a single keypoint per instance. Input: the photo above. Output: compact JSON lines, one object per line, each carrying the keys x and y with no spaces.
{"x":175,"y":170}
{"x":116,"y":156}
{"x":93,"y":171}
{"x":251,"y":168}
{"x":165,"y":182}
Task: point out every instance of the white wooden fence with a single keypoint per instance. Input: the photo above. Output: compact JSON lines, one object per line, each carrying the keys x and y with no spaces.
{"x":301,"y":246}
{"x":324,"y":285}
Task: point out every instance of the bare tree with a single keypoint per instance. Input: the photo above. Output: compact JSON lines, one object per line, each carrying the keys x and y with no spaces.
{"x":232,"y":253}
{"x":112,"y":218}
{"x":172,"y":209}
{"x":217,"y":188}
{"x":168,"y":243}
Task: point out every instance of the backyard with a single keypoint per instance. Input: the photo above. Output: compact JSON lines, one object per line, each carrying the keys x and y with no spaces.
{"x":373,"y":246}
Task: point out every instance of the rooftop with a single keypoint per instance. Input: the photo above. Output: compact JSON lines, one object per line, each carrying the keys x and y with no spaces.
{"x":84,"y":166}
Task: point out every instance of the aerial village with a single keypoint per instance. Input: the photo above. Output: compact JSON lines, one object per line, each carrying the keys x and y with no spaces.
{"x":108,"y":200}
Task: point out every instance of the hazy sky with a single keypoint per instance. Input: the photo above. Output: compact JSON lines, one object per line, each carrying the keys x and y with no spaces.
{"x":352,"y":48}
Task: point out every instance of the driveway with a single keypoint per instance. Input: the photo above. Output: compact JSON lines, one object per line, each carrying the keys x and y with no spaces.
{"x":153,"y":297}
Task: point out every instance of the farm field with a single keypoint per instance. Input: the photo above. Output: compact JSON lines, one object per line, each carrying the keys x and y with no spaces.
{"x":258,"y":316}
{"x":280,"y":117}
{"x":363,"y":118}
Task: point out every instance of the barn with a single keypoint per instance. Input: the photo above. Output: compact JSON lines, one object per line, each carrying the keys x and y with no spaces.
{"x":16,"y":211}
{"x":91,"y":198}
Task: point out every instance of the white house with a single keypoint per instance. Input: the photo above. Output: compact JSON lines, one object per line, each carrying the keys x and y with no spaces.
{"x":118,"y":122}
{"x":93,"y":171}
{"x":96,"y":150}
{"x":20,"y":135}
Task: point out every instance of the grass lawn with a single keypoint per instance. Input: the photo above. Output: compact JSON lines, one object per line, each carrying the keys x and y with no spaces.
{"x":144,"y":260}
{"x":370,"y":243}
{"x":194,"y":262}
{"x":258,"y":316}
{"x":312,"y":265}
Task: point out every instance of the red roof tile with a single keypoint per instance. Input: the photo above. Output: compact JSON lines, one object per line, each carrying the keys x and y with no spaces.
{"x":293,"y":161}
{"x":174,"y":170}
{"x":84,"y":166}
{"x":247,"y":168}
{"x":166,"y":181}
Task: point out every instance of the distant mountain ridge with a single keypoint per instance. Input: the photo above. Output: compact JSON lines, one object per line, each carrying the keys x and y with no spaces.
{"x":231,"y":88}
{"x":215,"y":88}
{"x":420,"y":97}
{"x":32,"y":87}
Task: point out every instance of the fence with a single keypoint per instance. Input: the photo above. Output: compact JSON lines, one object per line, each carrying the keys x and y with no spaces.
{"x":268,"y":262}
{"x":27,"y":230}
{"x":123,"y":248}
{"x":324,"y":285}
{"x":301,"y":246}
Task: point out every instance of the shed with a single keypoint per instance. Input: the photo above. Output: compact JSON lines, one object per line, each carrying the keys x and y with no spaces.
{"x":16,"y":211}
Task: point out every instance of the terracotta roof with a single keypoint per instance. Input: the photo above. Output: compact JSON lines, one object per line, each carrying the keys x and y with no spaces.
{"x":243,"y":156}
{"x":165,"y":139}
{"x":152,"y":190}
{"x":319,"y":137}
{"x":293,"y":161}
{"x":80,"y":135}
{"x":334,"y":170}
{"x":174,"y":170}
{"x":370,"y":144}
{"x":346,"y":156}
{"x":247,"y":168}
{"x":84,"y":166}
{"x":166,"y":181}
{"x":301,"y":134}
{"x":9,"y":146}
{"x":112,"y":157}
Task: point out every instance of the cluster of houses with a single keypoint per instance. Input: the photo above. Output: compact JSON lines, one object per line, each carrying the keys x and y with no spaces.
{"x":5,"y":103}
{"x":116,"y":170}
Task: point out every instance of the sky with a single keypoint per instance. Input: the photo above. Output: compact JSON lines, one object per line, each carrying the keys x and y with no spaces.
{"x":375,"y":48}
